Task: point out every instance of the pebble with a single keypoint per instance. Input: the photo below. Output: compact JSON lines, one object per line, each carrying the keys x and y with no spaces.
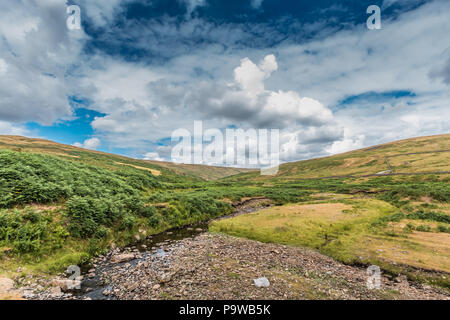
{"x":261,"y":282}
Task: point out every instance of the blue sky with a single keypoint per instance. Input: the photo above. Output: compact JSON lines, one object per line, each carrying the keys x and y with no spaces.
{"x":138,"y":70}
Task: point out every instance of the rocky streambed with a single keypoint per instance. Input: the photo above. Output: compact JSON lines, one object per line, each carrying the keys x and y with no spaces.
{"x":190,"y":263}
{"x":92,"y":282}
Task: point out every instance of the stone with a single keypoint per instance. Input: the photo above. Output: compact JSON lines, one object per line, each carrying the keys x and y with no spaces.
{"x":67,"y":285}
{"x":122,"y":258}
{"x":401,"y":279}
{"x":28,"y":294}
{"x":56,"y":292}
{"x":261,"y":282}
{"x":6,"y":285}
{"x":156,"y":287}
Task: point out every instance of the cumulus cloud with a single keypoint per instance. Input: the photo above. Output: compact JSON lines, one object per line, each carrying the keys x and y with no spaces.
{"x":300,"y":90}
{"x":10,"y":129}
{"x":153,"y":156}
{"x":348,"y":143}
{"x":247,"y":100}
{"x":442,"y":73}
{"x":200,"y":72}
{"x":36,"y":49}
{"x":256,"y":3}
{"x":143,"y":105}
{"x":191,"y":5}
{"x":101,"y":12}
{"x":3,"y":67}
{"x":91,"y":144}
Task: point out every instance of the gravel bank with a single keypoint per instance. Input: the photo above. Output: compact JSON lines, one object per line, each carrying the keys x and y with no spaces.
{"x":220,"y":267}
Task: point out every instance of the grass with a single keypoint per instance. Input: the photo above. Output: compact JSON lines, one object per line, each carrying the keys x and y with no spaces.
{"x":335,"y":229}
{"x":58,"y":211}
{"x":356,"y":230}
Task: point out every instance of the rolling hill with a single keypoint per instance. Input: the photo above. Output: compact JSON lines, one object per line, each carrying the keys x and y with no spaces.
{"x":112,"y":161}
{"x":411,"y":156}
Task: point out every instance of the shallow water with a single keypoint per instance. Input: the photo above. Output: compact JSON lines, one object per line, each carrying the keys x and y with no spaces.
{"x":93,"y":288}
{"x":153,"y":245}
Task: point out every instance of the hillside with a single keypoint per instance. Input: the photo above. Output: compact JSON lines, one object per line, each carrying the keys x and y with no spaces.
{"x":411,"y":156}
{"x":205,"y":172}
{"x":112,"y":161}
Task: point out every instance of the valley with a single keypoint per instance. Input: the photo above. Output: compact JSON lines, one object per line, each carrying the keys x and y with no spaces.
{"x":312,"y":229}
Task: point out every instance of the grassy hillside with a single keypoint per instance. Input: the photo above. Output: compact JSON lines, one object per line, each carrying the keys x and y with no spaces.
{"x":207,"y":173}
{"x":60,"y":205}
{"x":424,"y":154}
{"x":55,"y":212}
{"x":114,"y":162}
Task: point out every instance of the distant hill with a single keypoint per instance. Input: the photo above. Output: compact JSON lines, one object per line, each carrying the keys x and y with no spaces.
{"x":203,"y":171}
{"x":410,"y":156}
{"x":112,"y":161}
{"x":415,"y":155}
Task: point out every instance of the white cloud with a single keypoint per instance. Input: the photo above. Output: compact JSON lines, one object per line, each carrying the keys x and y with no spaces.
{"x":9,"y":129}
{"x":3,"y":67}
{"x":251,"y":77}
{"x":256,"y":3}
{"x":348,"y":143}
{"x":100,"y":11}
{"x":142,"y":106}
{"x":300,"y":90}
{"x":191,"y":5}
{"x":91,"y":144}
{"x":36,"y":49}
{"x":153,"y":156}
{"x":249,"y":103}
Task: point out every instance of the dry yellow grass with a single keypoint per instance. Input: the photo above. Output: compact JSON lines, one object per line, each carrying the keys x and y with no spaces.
{"x":438,"y":161}
{"x":153,"y":171}
{"x":334,"y":228}
{"x":328,"y":211}
{"x":426,"y":250}
{"x":343,"y":230}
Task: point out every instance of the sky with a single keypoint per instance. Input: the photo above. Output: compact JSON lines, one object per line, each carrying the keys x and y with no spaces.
{"x":137,"y":71}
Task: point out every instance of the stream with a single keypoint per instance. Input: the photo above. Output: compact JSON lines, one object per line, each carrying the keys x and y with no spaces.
{"x":154,"y":245}
{"x":93,"y":285}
